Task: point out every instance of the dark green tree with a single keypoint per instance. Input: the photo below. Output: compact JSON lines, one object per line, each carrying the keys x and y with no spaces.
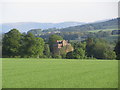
{"x":79,"y":53}
{"x":89,"y":47}
{"x":69,"y":55}
{"x":109,"y":54}
{"x":0,"y":45}
{"x":117,"y":50}
{"x":11,"y":43}
{"x":32,"y":46}
{"x":47,"y":51}
{"x":100,"y":49}
{"x":39,"y":47}
{"x":27,"y":43}
{"x":76,"y":54}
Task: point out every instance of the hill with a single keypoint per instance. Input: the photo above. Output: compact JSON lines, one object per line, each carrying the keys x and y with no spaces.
{"x":26,"y":26}
{"x":110,"y":24}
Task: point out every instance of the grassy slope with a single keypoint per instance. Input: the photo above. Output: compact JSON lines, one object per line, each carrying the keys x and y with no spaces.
{"x":105,"y":30}
{"x":42,"y":73}
{"x":111,"y":38}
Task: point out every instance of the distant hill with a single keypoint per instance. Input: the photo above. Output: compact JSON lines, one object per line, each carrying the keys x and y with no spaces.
{"x":26,"y":26}
{"x":110,"y":24}
{"x":35,"y":31}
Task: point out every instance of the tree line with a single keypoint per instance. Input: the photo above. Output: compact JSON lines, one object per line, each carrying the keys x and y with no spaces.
{"x":15,"y":44}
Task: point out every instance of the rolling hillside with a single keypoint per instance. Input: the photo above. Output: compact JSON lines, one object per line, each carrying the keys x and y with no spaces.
{"x":110,"y":24}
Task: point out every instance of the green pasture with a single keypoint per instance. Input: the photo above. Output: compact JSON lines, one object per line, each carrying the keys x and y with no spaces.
{"x":95,"y":31}
{"x":111,"y":38}
{"x":59,"y":73}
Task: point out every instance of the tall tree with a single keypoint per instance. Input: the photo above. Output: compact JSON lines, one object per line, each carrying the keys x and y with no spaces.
{"x":32,"y":46}
{"x":89,"y":47}
{"x":0,"y":45}
{"x":11,"y":43}
{"x":39,"y":47}
{"x":46,"y":51}
{"x":117,"y":50}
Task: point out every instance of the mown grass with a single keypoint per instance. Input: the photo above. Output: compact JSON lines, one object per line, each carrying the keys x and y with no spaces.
{"x":59,"y":73}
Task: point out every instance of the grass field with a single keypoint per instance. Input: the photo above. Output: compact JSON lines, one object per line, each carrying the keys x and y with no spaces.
{"x":59,"y":73}
{"x":106,"y":30}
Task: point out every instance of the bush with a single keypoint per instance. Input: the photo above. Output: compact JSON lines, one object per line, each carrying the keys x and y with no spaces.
{"x":57,"y":56}
{"x":69,"y":55}
{"x":109,"y":54}
{"x":76,"y":54}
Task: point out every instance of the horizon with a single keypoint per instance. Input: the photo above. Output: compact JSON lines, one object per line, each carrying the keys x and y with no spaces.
{"x":61,"y":22}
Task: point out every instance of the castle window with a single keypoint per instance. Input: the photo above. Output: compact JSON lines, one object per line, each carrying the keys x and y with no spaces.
{"x":59,"y":42}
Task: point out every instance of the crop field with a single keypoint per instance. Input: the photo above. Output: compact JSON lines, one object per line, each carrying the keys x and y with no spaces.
{"x":59,"y":73}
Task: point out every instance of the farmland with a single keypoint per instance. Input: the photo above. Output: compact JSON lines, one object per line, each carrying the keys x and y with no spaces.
{"x":59,"y":73}
{"x":106,"y":30}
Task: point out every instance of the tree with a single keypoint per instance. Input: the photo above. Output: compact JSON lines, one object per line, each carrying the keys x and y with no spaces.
{"x":32,"y":46}
{"x":76,"y":54}
{"x":16,"y":44}
{"x":89,"y":47}
{"x":100,"y":49}
{"x":69,"y":55}
{"x":109,"y":54}
{"x":0,"y":45}
{"x":79,"y":45}
{"x":117,"y":50}
{"x":39,"y":44}
{"x":27,"y":45}
{"x":47,"y":51}
{"x":52,"y":40}
{"x":56,"y":56}
{"x":79,"y":53}
{"x":11,"y":43}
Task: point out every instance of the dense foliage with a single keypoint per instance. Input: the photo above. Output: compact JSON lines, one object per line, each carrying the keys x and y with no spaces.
{"x":28,"y":45}
{"x":99,"y":49}
{"x":11,"y":43}
{"x":79,"y":51}
{"x":117,"y":50}
{"x":17,"y":45}
{"x":32,"y":46}
{"x":46,"y":51}
{"x":0,"y":45}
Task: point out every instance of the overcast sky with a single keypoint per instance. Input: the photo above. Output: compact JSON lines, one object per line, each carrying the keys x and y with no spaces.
{"x":57,"y":11}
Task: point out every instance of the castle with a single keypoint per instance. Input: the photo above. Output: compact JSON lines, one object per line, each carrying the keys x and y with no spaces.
{"x":62,"y":45}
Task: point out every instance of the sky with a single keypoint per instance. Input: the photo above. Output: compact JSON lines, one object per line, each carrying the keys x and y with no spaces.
{"x":57,"y":11}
